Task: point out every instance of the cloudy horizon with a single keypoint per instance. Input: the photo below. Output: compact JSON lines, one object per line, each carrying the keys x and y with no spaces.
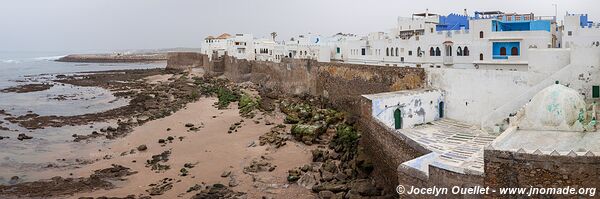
{"x":104,"y":25}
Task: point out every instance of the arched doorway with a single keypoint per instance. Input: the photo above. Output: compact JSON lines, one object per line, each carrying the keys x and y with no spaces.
{"x":514,"y":51}
{"x":502,"y":51}
{"x":398,"y":119}
{"x":441,"y":109}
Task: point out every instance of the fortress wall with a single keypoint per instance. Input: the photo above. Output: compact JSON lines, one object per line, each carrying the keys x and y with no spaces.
{"x":510,"y":169}
{"x":387,"y":150}
{"x":343,"y":84}
{"x":186,"y":60}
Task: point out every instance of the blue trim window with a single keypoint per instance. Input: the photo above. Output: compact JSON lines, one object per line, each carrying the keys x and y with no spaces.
{"x":503,"y":50}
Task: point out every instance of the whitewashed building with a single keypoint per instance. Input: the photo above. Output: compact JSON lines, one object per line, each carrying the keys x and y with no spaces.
{"x":488,"y":40}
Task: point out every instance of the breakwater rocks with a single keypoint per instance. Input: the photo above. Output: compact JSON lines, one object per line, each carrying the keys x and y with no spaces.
{"x":114,"y":58}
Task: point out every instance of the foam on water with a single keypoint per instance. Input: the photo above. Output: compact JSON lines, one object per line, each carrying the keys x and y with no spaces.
{"x":23,"y":158}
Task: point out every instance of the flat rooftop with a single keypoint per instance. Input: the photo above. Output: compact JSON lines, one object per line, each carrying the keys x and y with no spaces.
{"x":399,"y":93}
{"x":562,"y":142}
{"x":455,"y":146}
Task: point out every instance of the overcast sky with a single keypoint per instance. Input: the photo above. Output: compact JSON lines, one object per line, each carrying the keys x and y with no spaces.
{"x":80,"y":25}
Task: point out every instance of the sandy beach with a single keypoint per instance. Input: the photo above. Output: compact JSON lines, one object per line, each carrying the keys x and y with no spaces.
{"x":211,"y":149}
{"x":183,"y":135}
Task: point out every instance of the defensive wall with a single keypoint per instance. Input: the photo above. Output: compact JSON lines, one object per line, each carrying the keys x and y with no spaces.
{"x":343,"y":86}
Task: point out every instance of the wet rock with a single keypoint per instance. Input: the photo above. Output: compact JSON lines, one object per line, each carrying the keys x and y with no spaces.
{"x":335,"y":188}
{"x":326,"y":176}
{"x":27,"y":88}
{"x":293,"y":175}
{"x":111,"y":129}
{"x":252,"y":144}
{"x":14,"y":180}
{"x":155,"y":162}
{"x":326,"y":195}
{"x":307,"y":181}
{"x":319,"y":155}
{"x":225,"y":174}
{"x":189,"y":165}
{"x":340,"y":176}
{"x":329,"y":166}
{"x":183,"y":172}
{"x":161,"y":187}
{"x":196,"y":187}
{"x":59,"y":186}
{"x":275,"y":137}
{"x":233,"y":182}
{"x":307,"y":133}
{"x":218,"y":191}
{"x":142,"y":147}
{"x":260,"y":165}
{"x":22,"y":136}
{"x":306,"y":167}
{"x":4,"y":137}
{"x":291,"y":119}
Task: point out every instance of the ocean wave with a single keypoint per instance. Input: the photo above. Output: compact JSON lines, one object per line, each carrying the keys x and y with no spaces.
{"x":9,"y":61}
{"x":49,"y":58}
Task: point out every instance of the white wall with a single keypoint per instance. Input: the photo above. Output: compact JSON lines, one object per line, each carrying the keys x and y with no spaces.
{"x":472,"y":94}
{"x":417,"y":107}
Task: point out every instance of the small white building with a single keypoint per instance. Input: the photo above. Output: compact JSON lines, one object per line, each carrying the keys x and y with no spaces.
{"x":579,"y":31}
{"x":406,"y":109}
{"x":239,"y":46}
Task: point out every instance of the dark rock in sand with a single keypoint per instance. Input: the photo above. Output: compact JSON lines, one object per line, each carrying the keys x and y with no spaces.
{"x":218,"y":191}
{"x":161,"y":187}
{"x":59,"y":186}
{"x":22,"y":136}
{"x":142,"y":147}
{"x":27,"y":88}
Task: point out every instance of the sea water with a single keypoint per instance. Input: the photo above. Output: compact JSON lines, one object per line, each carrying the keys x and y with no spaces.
{"x":25,"y":158}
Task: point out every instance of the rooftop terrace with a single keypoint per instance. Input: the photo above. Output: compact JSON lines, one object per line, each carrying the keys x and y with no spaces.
{"x":454,"y":146}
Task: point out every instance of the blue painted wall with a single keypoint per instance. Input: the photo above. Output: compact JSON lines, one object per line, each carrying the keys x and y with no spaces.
{"x":540,"y":25}
{"x":452,"y":22}
{"x":508,"y":45}
{"x":537,"y":25}
{"x":583,"y":20}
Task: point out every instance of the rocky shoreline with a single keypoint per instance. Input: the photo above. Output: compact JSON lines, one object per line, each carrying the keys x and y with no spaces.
{"x":114,"y":58}
{"x":335,"y":168}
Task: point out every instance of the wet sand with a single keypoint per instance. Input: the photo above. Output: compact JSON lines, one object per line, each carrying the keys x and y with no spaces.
{"x":212,"y":148}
